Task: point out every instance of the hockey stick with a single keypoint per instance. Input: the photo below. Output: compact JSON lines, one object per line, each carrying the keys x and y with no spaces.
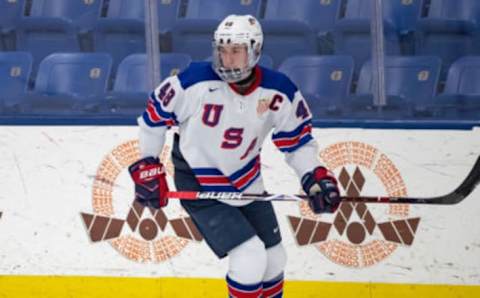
{"x":456,"y":196}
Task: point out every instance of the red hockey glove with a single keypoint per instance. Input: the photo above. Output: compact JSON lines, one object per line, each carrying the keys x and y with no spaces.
{"x":321,"y":187}
{"x":151,"y":187}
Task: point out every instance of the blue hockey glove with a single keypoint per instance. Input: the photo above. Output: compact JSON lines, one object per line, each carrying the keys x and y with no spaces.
{"x":321,"y":187}
{"x":151,"y":186}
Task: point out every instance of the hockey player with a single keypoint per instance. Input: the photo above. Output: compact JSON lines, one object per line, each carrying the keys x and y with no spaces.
{"x":224,"y":111}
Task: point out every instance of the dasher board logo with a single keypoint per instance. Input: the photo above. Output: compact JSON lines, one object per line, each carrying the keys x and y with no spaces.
{"x":358,"y":234}
{"x":140,"y":234}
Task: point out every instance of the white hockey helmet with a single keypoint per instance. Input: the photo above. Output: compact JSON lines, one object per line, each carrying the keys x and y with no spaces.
{"x":237,"y":30}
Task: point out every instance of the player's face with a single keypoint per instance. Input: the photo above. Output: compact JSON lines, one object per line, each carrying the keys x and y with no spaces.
{"x":233,"y":56}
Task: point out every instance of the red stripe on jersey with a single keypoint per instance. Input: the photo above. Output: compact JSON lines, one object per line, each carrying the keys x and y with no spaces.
{"x":152,"y":113}
{"x":170,"y":122}
{"x":239,"y":183}
{"x":155,"y":117}
{"x":213,"y":180}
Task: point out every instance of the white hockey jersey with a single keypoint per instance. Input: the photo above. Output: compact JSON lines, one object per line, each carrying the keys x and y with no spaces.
{"x":222,"y":131}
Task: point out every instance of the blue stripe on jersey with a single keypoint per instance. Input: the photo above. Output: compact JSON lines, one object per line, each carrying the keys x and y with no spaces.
{"x":244,"y":170}
{"x":245,"y":186}
{"x":197,"y":72}
{"x":293,"y":133}
{"x":207,"y":171}
{"x":155,"y":116}
{"x":244,"y":177}
{"x":212,"y":179}
{"x":278,"y":81}
{"x":164,"y":114}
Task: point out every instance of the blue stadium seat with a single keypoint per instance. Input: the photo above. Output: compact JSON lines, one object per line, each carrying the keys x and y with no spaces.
{"x":449,"y":30}
{"x":410,"y":83}
{"x":82,"y":14}
{"x":218,"y":9}
{"x":131,"y":88}
{"x":127,"y":10}
{"x":15,"y":68}
{"x":56,"y":26}
{"x":282,"y":42}
{"x":461,"y":96}
{"x":168,"y":12}
{"x":403,"y":14}
{"x":10,"y":12}
{"x":193,"y":33}
{"x":320,"y":16}
{"x":353,"y":35}
{"x":70,"y":83}
{"x":323,"y":80}
{"x":122,"y":31}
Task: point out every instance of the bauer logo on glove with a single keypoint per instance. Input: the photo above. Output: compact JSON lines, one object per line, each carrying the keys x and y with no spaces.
{"x":150,"y":173}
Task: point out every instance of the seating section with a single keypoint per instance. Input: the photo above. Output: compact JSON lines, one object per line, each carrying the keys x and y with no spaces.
{"x":283,"y":42}
{"x":323,"y":80}
{"x":410,"y":83}
{"x":83,"y":14}
{"x":122,"y":31}
{"x":56,"y":26}
{"x":70,"y":83}
{"x":15,"y":68}
{"x":461,"y":97}
{"x":218,"y":9}
{"x":314,"y":16}
{"x":353,"y":31}
{"x":131,"y":88}
{"x":318,"y":15}
{"x":87,"y":57}
{"x":449,"y":30}
{"x":10,"y":13}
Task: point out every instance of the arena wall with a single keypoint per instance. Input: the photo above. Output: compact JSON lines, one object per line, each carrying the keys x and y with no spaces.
{"x":68,"y":226}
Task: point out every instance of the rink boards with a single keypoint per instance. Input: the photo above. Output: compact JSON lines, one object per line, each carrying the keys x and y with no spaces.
{"x":68,"y":223}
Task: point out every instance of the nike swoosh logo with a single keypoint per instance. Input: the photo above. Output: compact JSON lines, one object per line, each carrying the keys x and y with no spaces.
{"x":212,"y":89}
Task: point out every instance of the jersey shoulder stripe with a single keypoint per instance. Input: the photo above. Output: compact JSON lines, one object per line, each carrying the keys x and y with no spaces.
{"x":292,"y":140}
{"x":293,"y":133}
{"x":154,"y":115}
{"x":292,"y":145}
{"x":278,"y":81}
{"x":197,"y":72}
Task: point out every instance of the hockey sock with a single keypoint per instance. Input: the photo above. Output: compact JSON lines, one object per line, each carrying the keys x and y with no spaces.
{"x":273,"y":288}
{"x":238,"y":290}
